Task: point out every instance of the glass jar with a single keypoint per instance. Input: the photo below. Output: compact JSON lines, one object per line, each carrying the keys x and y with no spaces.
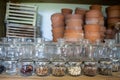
{"x":11,"y":66}
{"x":90,"y":68}
{"x":2,"y":68}
{"x":115,"y":65}
{"x":74,"y":68}
{"x":58,"y":68}
{"x":105,"y":66}
{"x":42,"y":67}
{"x":26,"y":67}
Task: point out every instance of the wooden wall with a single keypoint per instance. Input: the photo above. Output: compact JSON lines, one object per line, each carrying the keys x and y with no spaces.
{"x":2,"y":16}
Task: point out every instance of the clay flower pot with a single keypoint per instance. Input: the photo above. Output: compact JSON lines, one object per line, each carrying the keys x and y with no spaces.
{"x":92,"y":28}
{"x":66,"y":11}
{"x":96,"y":7}
{"x":94,"y":13}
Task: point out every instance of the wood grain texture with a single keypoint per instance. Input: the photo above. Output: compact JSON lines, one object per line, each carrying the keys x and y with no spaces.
{"x":116,"y":76}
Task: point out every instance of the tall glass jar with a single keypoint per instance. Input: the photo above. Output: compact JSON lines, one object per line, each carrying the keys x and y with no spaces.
{"x":26,"y":67}
{"x":90,"y":64}
{"x":74,"y":67}
{"x":58,"y":68}
{"x":11,"y":66}
{"x":42,"y":67}
{"x":105,"y":66}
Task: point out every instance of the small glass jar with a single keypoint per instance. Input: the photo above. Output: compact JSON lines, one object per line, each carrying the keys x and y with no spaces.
{"x":11,"y":66}
{"x":90,"y":68}
{"x":74,"y":68}
{"x":58,"y":68}
{"x":2,"y":68}
{"x":115,"y":65}
{"x":26,"y":67}
{"x":105,"y":66}
{"x":42,"y":67}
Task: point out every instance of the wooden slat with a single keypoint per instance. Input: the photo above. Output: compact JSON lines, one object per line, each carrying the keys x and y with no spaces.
{"x":24,"y":22}
{"x":21,"y":15}
{"x":20,"y":18}
{"x":23,"y":12}
{"x":22,"y":8}
{"x":23,"y":5}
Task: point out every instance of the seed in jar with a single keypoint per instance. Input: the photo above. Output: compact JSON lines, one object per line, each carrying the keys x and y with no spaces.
{"x":105,"y":71}
{"x":41,"y":71}
{"x":27,"y":70}
{"x":90,"y":71}
{"x":115,"y":67}
{"x":74,"y":70}
{"x":58,"y":71}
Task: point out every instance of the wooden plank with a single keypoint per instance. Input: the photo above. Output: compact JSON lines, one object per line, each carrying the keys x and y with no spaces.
{"x":21,"y":15}
{"x":20,"y":18}
{"x":22,"y":8}
{"x":24,"y":22}
{"x":23,"y":5}
{"x":116,"y":76}
{"x":25,"y":12}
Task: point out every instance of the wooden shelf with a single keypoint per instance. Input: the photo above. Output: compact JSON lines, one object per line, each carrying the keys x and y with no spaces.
{"x":116,"y":76}
{"x":101,"y":2}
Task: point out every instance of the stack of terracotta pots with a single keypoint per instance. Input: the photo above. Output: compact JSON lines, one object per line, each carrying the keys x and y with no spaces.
{"x":66,"y":11}
{"x":73,"y":31}
{"x":94,"y":17}
{"x":58,"y":27}
{"x":113,"y":15}
{"x":92,"y":32}
{"x":94,"y":20}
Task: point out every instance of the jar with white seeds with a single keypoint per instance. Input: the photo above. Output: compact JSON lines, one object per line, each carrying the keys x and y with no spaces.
{"x":74,"y":68}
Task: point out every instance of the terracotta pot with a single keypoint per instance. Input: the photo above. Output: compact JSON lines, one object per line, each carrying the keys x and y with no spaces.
{"x":92,"y":20}
{"x":113,"y":20}
{"x":58,"y":23}
{"x":93,"y":37}
{"x":58,"y":29}
{"x":92,"y":28}
{"x":74,"y":22}
{"x":66,"y":11}
{"x":74,"y":27}
{"x":73,"y":16}
{"x":80,"y":11}
{"x":73,"y":31}
{"x":94,"y":13}
{"x":90,"y":35}
{"x":57,"y":17}
{"x":101,"y":21}
{"x":113,"y":13}
{"x":113,"y":7}
{"x":96,"y":7}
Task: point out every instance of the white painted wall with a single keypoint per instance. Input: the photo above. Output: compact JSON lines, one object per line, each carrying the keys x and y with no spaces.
{"x":45,"y":10}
